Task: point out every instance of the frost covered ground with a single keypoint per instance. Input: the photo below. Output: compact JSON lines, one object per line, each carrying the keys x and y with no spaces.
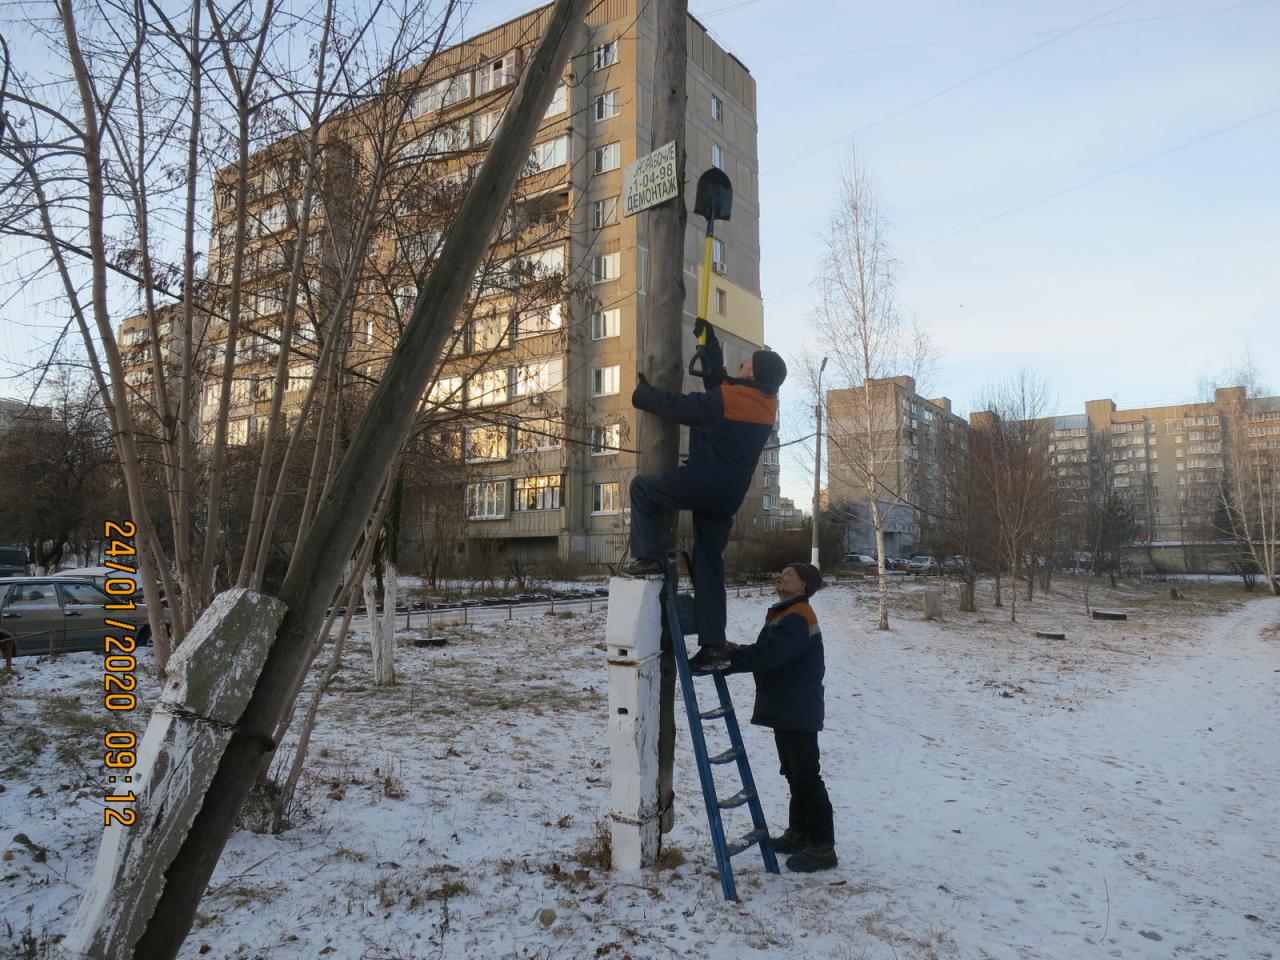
{"x":1116,"y":794}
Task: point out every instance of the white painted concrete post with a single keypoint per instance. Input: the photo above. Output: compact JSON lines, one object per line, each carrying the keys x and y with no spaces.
{"x":633,"y":638}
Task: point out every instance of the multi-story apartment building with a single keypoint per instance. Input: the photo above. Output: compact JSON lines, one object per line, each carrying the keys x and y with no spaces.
{"x":533,"y":396}
{"x":911,"y":439}
{"x":1169,"y":464}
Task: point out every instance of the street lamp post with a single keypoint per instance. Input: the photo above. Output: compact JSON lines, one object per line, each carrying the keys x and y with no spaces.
{"x":817,"y":467}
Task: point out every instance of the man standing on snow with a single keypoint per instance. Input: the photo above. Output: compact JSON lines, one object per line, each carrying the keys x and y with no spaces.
{"x":788,"y":665}
{"x":729,"y":424}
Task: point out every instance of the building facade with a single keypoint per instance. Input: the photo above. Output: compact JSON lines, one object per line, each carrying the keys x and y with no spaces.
{"x":532,"y":401}
{"x":1170,"y":464}
{"x":890,"y":432}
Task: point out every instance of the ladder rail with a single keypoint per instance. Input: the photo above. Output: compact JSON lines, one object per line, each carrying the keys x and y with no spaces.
{"x":748,"y":781}
{"x":759,"y":835}
{"x":705,"y":777}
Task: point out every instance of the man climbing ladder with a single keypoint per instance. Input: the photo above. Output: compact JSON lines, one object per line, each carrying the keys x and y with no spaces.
{"x":730,"y":422}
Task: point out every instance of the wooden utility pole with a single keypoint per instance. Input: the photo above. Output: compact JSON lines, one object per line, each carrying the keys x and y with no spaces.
{"x":316,"y":572}
{"x":662,"y":329}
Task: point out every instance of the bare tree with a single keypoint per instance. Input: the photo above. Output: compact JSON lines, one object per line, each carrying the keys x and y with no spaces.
{"x":1249,"y":508}
{"x":1011,"y":448}
{"x":57,"y":473}
{"x":870,"y":343}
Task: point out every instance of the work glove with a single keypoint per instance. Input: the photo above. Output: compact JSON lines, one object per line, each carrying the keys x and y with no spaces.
{"x":700,"y":325}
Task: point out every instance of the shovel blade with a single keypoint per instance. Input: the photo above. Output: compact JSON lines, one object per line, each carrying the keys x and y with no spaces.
{"x":714,"y":199}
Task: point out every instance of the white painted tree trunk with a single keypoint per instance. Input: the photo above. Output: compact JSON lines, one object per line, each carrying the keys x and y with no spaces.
{"x":382,"y":629}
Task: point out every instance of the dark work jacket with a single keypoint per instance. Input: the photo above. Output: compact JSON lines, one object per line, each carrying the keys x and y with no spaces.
{"x":788,"y":664}
{"x":729,"y":424}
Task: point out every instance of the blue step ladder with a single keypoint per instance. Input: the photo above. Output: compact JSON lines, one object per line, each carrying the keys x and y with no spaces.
{"x":678,"y":610}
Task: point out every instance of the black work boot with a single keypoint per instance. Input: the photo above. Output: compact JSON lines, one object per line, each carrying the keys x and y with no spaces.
{"x":640,"y":568}
{"x":791,"y":841}
{"x":814,"y":857}
{"x":709,"y":660}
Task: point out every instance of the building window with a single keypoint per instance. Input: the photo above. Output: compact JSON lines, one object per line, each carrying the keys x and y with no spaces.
{"x":608,"y":105}
{"x":487,"y":500}
{"x":717,"y":156}
{"x":536,"y":493}
{"x":604,"y":213}
{"x":537,"y":321}
{"x":487,"y":387}
{"x":442,"y":93}
{"x":606,"y":381}
{"x":717,"y":108}
{"x":606,"y":323}
{"x":490,"y":332}
{"x":486,"y":123}
{"x":606,"y":498}
{"x":238,"y":432}
{"x":535,"y":379}
{"x":606,"y":438}
{"x":606,"y":266}
{"x":545,"y":263}
{"x":539,"y":434}
{"x":496,"y":74}
{"x":605,"y":55}
{"x":608,"y":157}
{"x":444,"y":390}
{"x":559,"y":102}
{"x":486,"y":443}
{"x":717,"y":255}
{"x":547,"y":155}
{"x":722,"y":301}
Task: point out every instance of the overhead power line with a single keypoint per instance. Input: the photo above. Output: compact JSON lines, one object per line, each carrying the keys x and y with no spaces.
{"x":945,"y":90}
{"x":1092,"y":180}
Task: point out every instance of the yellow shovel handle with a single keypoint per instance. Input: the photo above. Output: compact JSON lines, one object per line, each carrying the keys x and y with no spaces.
{"x":704,"y":295}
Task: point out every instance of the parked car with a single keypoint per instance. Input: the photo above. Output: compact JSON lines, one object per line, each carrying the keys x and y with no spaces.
{"x":859,"y":561}
{"x":13,"y":561}
{"x":897,"y":564}
{"x":60,"y":615}
{"x":921,"y":563}
{"x":955,"y":564}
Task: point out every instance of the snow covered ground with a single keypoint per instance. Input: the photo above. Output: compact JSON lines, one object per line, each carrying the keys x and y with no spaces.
{"x":1116,"y":794}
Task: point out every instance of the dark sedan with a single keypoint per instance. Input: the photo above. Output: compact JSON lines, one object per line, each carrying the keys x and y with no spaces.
{"x":60,"y":615}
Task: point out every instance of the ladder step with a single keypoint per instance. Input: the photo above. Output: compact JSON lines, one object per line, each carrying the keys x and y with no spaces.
{"x":717,"y":713}
{"x":737,"y":800}
{"x":747,"y":841}
{"x":731,"y":754}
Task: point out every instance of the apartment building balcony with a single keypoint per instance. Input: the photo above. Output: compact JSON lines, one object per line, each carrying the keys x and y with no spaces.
{"x":520,"y":523}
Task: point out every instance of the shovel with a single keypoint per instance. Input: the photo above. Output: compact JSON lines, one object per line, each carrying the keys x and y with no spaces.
{"x":713,"y":201}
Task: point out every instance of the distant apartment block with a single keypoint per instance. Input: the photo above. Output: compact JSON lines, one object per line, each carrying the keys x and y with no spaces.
{"x":1169,"y":464}
{"x":909,"y":439}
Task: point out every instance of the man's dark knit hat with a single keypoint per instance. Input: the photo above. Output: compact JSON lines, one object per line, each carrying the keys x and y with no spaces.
{"x":768,"y":369}
{"x":809,"y":576}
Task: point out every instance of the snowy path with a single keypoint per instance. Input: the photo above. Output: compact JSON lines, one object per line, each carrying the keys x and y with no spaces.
{"x":1149,"y":813}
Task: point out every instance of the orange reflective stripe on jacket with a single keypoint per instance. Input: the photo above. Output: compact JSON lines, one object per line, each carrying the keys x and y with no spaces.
{"x":748,"y":405}
{"x":800,"y":609}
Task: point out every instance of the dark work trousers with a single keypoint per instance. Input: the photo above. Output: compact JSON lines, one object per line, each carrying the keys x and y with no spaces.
{"x":653,"y":494}
{"x":810,"y":812}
